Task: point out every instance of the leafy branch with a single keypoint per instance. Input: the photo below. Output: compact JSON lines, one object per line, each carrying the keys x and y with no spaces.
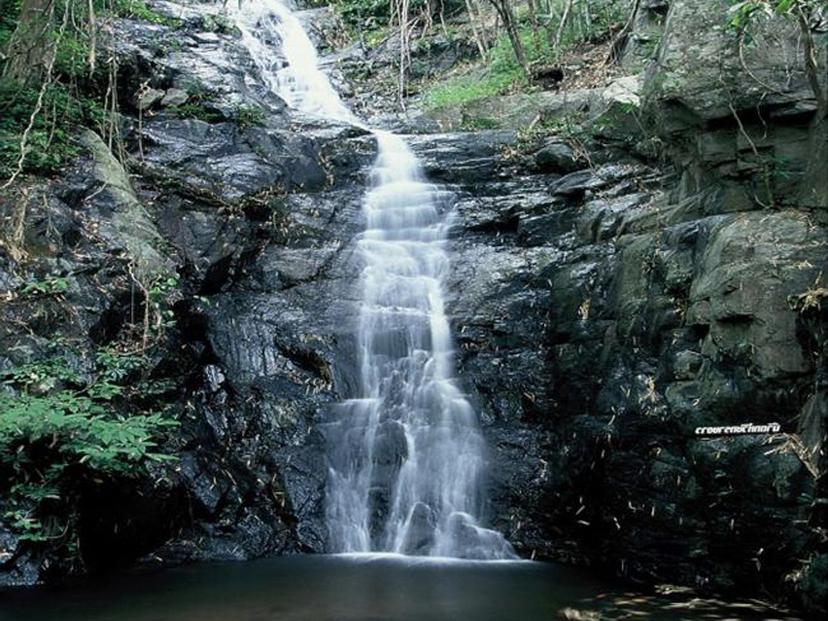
{"x":62,"y":427}
{"x":805,"y":13}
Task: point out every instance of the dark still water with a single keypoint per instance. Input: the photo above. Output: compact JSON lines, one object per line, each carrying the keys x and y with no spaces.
{"x":364,"y":588}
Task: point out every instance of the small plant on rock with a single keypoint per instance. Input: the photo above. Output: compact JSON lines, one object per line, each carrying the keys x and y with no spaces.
{"x":48,"y":286}
{"x":249,"y":116}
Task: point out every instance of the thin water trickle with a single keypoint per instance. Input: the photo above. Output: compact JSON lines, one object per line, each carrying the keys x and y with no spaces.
{"x":406,"y":454}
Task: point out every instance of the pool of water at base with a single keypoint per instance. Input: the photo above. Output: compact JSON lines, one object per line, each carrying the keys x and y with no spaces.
{"x":363,"y":588}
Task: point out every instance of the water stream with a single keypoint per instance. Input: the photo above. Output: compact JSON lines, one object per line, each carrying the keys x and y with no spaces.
{"x":406,"y":454}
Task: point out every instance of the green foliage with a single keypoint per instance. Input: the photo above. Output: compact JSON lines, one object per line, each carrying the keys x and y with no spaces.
{"x":217,"y":23}
{"x":74,"y":97}
{"x":249,"y":116}
{"x":744,"y":11}
{"x":8,"y":22}
{"x":71,"y":57}
{"x":590,"y":20}
{"x":60,"y":427}
{"x":158,"y":299}
{"x":572,"y":127}
{"x":48,"y":286}
{"x":197,"y":106}
{"x":373,"y":37}
{"x":364,"y":14}
{"x":81,"y":428}
{"x":43,"y":375}
{"x":783,"y":169}
{"x":503,"y":75}
{"x":480,"y":123}
{"x":138,"y":9}
{"x":464,"y":89}
{"x":50,"y":143}
{"x":196,"y":110}
{"x":372,"y":16}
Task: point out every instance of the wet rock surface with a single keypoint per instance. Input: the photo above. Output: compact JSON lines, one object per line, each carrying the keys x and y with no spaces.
{"x":601,"y":312}
{"x":597,"y":335}
{"x":258,"y":221}
{"x":604,"y":314}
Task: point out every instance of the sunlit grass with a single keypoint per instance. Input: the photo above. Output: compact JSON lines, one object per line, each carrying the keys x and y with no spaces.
{"x":503,"y":74}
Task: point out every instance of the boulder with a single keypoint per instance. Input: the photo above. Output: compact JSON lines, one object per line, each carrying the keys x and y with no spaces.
{"x":175,"y":97}
{"x":149,"y":97}
{"x":126,"y":223}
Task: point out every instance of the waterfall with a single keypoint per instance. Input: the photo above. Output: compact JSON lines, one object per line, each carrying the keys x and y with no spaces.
{"x":406,"y":454}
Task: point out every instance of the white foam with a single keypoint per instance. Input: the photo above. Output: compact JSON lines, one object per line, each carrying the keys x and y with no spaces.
{"x":421,"y":491}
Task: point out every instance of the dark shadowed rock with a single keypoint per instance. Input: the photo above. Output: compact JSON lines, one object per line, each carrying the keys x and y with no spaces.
{"x":556,"y":157}
{"x":601,"y":313}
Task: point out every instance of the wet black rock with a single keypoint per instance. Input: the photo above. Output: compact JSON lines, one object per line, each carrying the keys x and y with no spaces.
{"x":602,"y":313}
{"x":556,"y":157}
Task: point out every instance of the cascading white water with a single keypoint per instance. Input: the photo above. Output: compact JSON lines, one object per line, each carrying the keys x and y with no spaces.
{"x":406,"y":455}
{"x":294,"y":74}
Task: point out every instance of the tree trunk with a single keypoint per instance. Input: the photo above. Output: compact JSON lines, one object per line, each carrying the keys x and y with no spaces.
{"x":30,"y":47}
{"x":562,"y":25}
{"x":405,"y":47}
{"x":533,"y":22}
{"x":812,"y":64}
{"x":507,"y":16}
{"x":620,"y":41}
{"x":477,"y":30}
{"x":93,"y":37}
{"x":815,"y":188}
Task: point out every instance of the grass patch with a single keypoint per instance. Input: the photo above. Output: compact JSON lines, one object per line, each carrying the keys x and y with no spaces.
{"x":196,"y":111}
{"x":503,"y":75}
{"x":372,"y":38}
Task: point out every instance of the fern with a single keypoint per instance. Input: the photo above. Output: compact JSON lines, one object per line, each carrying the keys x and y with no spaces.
{"x":58,"y":427}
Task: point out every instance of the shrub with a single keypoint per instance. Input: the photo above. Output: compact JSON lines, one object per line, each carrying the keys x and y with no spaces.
{"x":502,"y":75}
{"x":50,"y":143}
{"x":60,"y":429}
{"x":48,"y":286}
{"x":197,"y":110}
{"x":138,"y":9}
{"x":364,"y":14}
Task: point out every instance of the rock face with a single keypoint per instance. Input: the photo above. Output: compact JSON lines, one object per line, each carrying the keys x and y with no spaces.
{"x":604,"y":315}
{"x":598,"y":334}
{"x":605,"y":306}
{"x":257,"y":220}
